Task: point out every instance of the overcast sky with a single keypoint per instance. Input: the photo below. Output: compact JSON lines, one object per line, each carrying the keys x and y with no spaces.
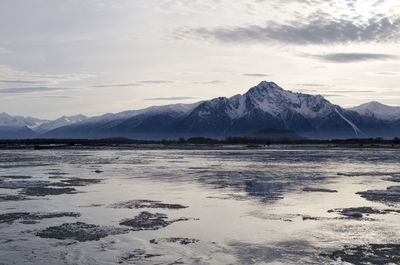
{"x":64,"y":57}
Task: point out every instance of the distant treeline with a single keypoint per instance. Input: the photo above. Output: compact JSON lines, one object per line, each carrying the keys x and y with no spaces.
{"x":249,"y":140}
{"x":48,"y":143}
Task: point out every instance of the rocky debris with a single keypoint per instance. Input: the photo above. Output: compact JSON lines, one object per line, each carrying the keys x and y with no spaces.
{"x":358,"y":212}
{"x":44,"y":188}
{"x":368,"y":254}
{"x":80,"y":231}
{"x":309,"y":189}
{"x":305,"y":218}
{"x":45,"y":191}
{"x":180,"y":240}
{"x":136,"y":255}
{"x":92,"y":205}
{"x":138,"y":204}
{"x":75,"y":182}
{"x":394,"y":178}
{"x":29,"y":222}
{"x":149,"y":221}
{"x":12,"y":217}
{"x":390,"y":195}
{"x":97,"y":171}
{"x":7,"y":197}
{"x":357,"y":174}
{"x":352,"y":214}
{"x":15,"y":177}
{"x":57,"y":173}
{"x":26,"y":217}
{"x":19,"y":184}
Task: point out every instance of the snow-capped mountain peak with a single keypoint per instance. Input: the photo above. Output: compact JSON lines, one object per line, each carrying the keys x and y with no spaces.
{"x":271,"y":98}
{"x":268,"y":97}
{"x":378,"y":110}
{"x":62,"y":121}
{"x":7,"y":120}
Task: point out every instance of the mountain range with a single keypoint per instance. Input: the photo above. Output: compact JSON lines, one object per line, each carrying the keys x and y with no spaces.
{"x":263,"y":106}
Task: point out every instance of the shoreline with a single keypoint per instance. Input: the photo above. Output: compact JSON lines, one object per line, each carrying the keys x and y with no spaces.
{"x":197,"y":144}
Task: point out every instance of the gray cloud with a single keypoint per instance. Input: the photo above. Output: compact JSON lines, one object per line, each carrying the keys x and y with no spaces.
{"x":171,"y":98}
{"x":352,"y":91}
{"x":156,"y":82}
{"x":23,"y":90}
{"x":138,"y":83}
{"x":331,"y":95}
{"x":388,"y":73}
{"x":61,"y":97}
{"x":119,"y":85}
{"x":311,"y":85}
{"x":208,"y":82}
{"x":318,"y":29}
{"x":353,"y":57}
{"x":256,"y":75}
{"x":20,"y":82}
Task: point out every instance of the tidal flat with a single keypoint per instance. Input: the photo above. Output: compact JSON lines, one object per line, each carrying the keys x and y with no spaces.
{"x":211,"y":205}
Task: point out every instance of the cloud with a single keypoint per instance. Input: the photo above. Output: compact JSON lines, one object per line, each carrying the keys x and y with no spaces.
{"x":61,"y":97}
{"x":352,"y":91}
{"x":353,"y":57}
{"x":4,"y":51}
{"x":208,"y":82}
{"x":331,"y":95}
{"x":119,"y":85}
{"x":20,"y":82}
{"x":10,"y":75}
{"x":171,"y":98}
{"x":311,"y":85}
{"x":387,"y":73}
{"x":319,"y":28}
{"x":156,"y":82}
{"x":137,"y":83}
{"x":257,"y":75}
{"x":24,"y":90}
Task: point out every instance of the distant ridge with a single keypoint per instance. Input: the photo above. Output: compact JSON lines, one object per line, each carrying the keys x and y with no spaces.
{"x":266,"y":105}
{"x":378,"y":110}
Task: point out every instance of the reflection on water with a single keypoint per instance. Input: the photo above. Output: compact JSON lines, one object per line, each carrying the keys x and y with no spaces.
{"x":287,"y":205}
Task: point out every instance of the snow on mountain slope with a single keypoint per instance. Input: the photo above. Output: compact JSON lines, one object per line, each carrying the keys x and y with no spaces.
{"x":173,"y":108}
{"x":269,"y":98}
{"x":42,"y":126}
{"x":237,"y":107}
{"x":37,"y":125}
{"x":62,"y":121}
{"x":263,"y":106}
{"x":7,"y":120}
{"x":378,"y":110}
{"x":357,"y":131}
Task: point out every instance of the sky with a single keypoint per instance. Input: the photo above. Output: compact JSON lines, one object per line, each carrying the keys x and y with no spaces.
{"x":67,"y":57}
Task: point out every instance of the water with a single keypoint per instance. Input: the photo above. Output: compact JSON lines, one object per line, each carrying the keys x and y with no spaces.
{"x":243,"y":206}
